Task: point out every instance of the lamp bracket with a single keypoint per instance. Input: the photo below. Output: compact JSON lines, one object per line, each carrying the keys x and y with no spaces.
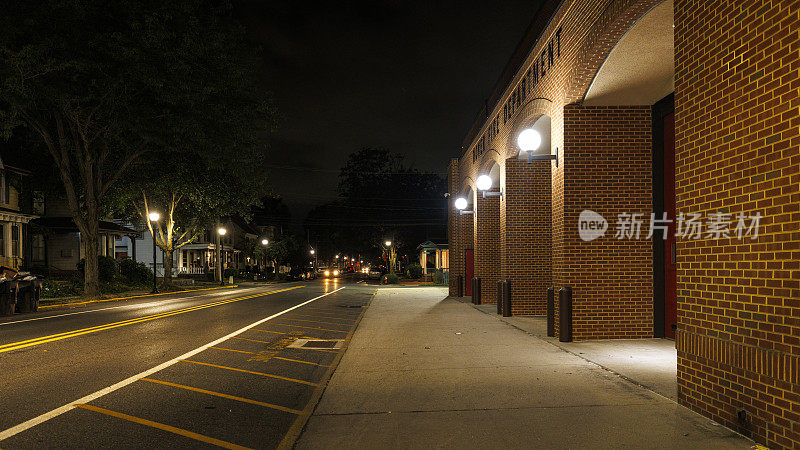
{"x":545,"y":157}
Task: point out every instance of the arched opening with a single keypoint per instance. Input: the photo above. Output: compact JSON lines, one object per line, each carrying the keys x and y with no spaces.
{"x":638,"y":72}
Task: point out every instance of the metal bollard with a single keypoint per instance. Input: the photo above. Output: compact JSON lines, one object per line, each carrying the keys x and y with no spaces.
{"x":551,"y":311}
{"x":460,"y":286}
{"x":500,"y":296}
{"x":565,"y":314}
{"x":476,"y":291}
{"x":507,"y":299}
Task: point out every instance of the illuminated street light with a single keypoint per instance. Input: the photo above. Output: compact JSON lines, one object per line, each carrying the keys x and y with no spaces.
{"x":154,"y":216}
{"x":461,"y":203}
{"x":313,"y":251}
{"x":529,"y":140}
{"x":221,"y":231}
{"x":264,"y":241}
{"x":388,"y":243}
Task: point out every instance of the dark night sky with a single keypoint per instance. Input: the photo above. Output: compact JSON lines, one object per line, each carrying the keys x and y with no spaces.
{"x":406,"y":75}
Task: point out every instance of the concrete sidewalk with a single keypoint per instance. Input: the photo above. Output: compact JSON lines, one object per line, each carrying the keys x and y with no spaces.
{"x":427,"y":371}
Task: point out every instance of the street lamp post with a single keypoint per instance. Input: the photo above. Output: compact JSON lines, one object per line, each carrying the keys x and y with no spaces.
{"x":265,"y":242}
{"x":221,"y":231}
{"x":154,"y":216}
{"x":391,"y":255}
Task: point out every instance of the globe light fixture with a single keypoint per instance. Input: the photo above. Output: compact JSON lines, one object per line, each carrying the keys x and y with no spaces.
{"x":222,"y":231}
{"x":264,"y":241}
{"x":483,"y":183}
{"x":388,"y":243}
{"x":461,"y":203}
{"x":313,"y":251}
{"x":529,"y":140}
{"x":154,"y":216}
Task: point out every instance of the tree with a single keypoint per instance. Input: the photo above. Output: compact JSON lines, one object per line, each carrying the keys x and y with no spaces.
{"x":381,"y":198}
{"x":102,"y":84}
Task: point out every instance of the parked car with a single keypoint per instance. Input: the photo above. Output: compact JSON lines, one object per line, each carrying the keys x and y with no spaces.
{"x":375,"y":274}
{"x":296,"y":274}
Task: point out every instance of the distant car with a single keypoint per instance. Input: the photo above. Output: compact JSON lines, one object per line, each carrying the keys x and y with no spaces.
{"x":375,"y":274}
{"x":296,"y":274}
{"x":330,"y":273}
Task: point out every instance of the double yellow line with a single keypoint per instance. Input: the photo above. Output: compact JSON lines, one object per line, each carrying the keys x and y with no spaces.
{"x":69,"y":334}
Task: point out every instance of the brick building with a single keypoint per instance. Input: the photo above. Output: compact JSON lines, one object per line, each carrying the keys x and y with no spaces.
{"x":686,"y":108}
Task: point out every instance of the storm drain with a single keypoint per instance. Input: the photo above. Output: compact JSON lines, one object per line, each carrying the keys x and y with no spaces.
{"x":317,"y":344}
{"x":349,"y":306}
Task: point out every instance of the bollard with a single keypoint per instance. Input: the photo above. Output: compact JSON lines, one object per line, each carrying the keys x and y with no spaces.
{"x":460,"y":286}
{"x":476,"y":291}
{"x":551,"y":311}
{"x":507,"y":299}
{"x":565,"y":314}
{"x":500,"y":297}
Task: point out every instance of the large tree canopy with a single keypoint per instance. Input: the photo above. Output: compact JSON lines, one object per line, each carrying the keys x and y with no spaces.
{"x":104,"y":85}
{"x":380,"y":198}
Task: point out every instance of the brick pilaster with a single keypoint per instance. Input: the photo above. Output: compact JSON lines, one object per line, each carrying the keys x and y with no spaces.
{"x":487,"y":245}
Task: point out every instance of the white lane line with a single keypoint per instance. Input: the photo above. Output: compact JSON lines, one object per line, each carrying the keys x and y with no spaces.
{"x":136,"y":306}
{"x":94,"y":396}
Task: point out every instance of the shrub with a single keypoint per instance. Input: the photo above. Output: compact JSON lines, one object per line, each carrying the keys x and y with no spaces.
{"x":60,"y":288}
{"x":414,"y":271}
{"x":391,"y":279}
{"x":230,"y":272}
{"x":269,"y":269}
{"x":107,"y":268}
{"x":135,"y":272}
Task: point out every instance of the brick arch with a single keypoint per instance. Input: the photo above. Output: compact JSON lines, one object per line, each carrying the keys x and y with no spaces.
{"x":618,"y":17}
{"x":489,"y":159}
{"x":525,"y":117}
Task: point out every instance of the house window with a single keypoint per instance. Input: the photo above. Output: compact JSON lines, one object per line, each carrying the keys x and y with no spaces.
{"x":14,"y":240}
{"x":37,"y":248}
{"x":38,"y":203}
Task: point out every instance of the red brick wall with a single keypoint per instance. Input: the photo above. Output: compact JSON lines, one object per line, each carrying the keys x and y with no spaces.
{"x":453,"y":241}
{"x":466,"y":227}
{"x":487,"y":245}
{"x":607,"y":169}
{"x":526,"y":234}
{"x":738,"y":132}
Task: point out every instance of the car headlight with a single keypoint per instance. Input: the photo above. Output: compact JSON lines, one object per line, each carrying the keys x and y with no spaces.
{"x":327,"y":273}
{"x":335,"y":273}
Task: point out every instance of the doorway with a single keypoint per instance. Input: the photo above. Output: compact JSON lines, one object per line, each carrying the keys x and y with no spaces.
{"x":665,"y":292}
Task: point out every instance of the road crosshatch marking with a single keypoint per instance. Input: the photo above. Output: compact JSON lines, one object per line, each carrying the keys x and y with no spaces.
{"x":293,"y":380}
{"x":161,"y":426}
{"x":68,"y":334}
{"x":228,"y":396}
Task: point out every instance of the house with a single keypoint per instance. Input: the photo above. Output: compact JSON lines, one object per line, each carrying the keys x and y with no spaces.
{"x":18,"y":247}
{"x":433,"y":257}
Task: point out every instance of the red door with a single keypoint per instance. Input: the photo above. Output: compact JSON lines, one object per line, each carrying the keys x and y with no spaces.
{"x":469,"y":270}
{"x":670,"y":264}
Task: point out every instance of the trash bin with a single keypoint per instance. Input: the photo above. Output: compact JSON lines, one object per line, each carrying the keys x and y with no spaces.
{"x":29,"y":289}
{"x":7,"y":300}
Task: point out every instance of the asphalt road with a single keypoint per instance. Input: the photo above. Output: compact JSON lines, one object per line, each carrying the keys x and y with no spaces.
{"x":207,"y":368}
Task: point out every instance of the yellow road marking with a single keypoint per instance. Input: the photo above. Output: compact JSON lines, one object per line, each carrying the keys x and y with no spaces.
{"x":74,"y":333}
{"x":86,"y":302}
{"x":310,"y":328}
{"x":220,"y":394}
{"x":329,"y":316}
{"x":315,"y":321}
{"x":250,"y":371}
{"x":232,"y":350}
{"x":254,"y":340}
{"x":161,"y":426}
{"x":297,"y":360}
{"x":268,"y":331}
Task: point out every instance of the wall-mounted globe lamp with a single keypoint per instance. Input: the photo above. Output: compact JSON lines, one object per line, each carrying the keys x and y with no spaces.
{"x":528,"y":141}
{"x":484,"y":183}
{"x":461,"y":205}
